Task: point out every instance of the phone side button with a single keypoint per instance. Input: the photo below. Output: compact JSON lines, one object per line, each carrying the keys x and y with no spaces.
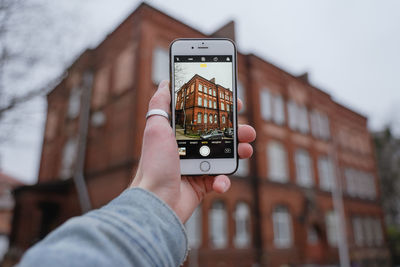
{"x":205,"y":166}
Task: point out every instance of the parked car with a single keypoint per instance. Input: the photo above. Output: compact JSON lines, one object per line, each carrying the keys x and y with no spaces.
{"x":228,"y":132}
{"x":212,"y":135}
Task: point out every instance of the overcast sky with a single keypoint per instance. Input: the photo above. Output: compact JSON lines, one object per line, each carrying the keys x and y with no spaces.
{"x":349,"y":48}
{"x":222,"y":72}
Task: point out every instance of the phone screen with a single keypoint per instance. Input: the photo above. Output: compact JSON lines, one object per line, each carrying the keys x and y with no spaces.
{"x":204,"y":106}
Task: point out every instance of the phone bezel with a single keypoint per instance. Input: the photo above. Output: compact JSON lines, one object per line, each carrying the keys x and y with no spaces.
{"x":215,"y":46}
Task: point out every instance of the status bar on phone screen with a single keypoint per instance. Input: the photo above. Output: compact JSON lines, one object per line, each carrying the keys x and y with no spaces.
{"x":221,"y":58}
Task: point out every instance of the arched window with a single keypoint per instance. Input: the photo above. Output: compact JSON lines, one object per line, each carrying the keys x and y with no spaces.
{"x":215,"y":118}
{"x":218,"y":225}
{"x":223,"y":119}
{"x":205,"y":118}
{"x":193,"y":228}
{"x":282,"y":225}
{"x":242,"y":225}
{"x":199,"y":117}
{"x":277,"y":162}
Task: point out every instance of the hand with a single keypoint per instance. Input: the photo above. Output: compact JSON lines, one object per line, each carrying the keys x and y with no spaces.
{"x":159,"y":170}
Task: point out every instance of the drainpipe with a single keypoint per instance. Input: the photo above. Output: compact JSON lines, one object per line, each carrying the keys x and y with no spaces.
{"x":338,"y":205}
{"x":84,"y":117}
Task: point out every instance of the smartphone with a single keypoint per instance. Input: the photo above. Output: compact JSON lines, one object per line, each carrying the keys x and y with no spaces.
{"x":204,"y":105}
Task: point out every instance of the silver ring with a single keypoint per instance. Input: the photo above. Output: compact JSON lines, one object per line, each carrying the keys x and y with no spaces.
{"x":157,"y":111}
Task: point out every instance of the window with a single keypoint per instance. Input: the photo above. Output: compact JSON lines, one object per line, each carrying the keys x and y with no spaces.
{"x":326,"y":173}
{"x":124,"y":68}
{"x":218,"y":225}
{"x":222,"y":95}
{"x":68,"y":158}
{"x":378,"y":235}
{"x":298,"y":118}
{"x":210,"y":91}
{"x":320,"y":125}
{"x":160,"y":65}
{"x":199,"y":101}
{"x":211,"y":118}
{"x":369,"y":231}
{"x":205,"y":102}
{"x":199,"y":115}
{"x":303,"y":168}
{"x":241,"y":95}
{"x":210,"y":103}
{"x":227,"y":107}
{"x":302,"y":119}
{"x":215,"y":118}
{"x":358,"y":231}
{"x":266,"y":111}
{"x":74,"y":103}
{"x":242,"y":225}
{"x":205,"y":118}
{"x":282,"y":227}
{"x":332,"y":232}
{"x":215,"y":105}
{"x":222,"y":106}
{"x":193,"y":228}
{"x":277,"y":162}
{"x":312,"y":235}
{"x":279,"y":112}
{"x":192,"y":88}
{"x":214,"y":94}
{"x":243,"y":168}
{"x":223,"y":119}
{"x":360,"y":184}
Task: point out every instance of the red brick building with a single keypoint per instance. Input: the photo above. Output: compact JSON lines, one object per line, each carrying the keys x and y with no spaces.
{"x":202,"y":105}
{"x":280,"y":209}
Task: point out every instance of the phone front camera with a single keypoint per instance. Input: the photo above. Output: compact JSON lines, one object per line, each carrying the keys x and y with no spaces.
{"x":192,"y":47}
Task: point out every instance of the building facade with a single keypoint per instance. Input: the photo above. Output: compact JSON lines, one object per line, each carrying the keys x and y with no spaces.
{"x":203,"y":105}
{"x":280,"y":208}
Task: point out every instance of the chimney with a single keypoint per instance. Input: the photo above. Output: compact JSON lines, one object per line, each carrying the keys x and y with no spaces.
{"x":212,"y":80}
{"x":304,"y":77}
{"x":226,"y":31}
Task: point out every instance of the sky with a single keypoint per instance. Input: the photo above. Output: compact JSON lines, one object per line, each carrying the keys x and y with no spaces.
{"x":222,"y":72}
{"x":349,"y":48}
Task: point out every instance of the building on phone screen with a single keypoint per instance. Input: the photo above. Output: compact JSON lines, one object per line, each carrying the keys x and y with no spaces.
{"x":203,"y":105}
{"x":308,"y":196}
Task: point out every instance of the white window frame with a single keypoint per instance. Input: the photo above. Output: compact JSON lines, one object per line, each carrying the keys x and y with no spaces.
{"x":218,"y":227}
{"x":277,"y":162}
{"x":304,"y":172}
{"x":282,"y":227}
{"x":242,"y":236}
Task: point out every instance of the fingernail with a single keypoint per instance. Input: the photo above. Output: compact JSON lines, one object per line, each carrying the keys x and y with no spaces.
{"x":163,"y":84}
{"x":224,"y":186}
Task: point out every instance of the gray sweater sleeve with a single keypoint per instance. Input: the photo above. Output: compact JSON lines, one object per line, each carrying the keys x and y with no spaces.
{"x":135,"y":229}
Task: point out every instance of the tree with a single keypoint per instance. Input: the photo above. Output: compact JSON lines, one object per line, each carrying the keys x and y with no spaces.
{"x":33,"y":40}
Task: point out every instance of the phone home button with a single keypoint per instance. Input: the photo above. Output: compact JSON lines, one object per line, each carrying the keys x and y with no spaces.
{"x":205,"y":166}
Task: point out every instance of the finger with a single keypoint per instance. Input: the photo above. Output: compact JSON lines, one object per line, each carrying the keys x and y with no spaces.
{"x":245,"y":150}
{"x":161,"y":98}
{"x":239,"y":104}
{"x":221,"y":184}
{"x":246,"y":133}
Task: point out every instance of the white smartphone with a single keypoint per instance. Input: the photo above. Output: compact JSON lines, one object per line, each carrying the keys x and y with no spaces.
{"x":204,"y":103}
